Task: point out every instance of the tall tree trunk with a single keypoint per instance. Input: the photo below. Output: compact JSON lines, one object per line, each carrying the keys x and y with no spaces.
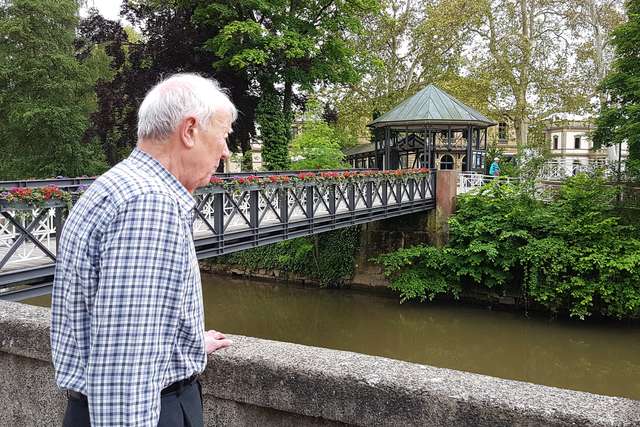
{"x":599,"y":41}
{"x":520,"y":92}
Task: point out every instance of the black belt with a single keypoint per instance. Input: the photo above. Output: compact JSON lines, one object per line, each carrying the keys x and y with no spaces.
{"x":178,"y":386}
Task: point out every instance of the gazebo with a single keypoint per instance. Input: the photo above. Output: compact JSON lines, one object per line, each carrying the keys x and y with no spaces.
{"x":430,"y":129}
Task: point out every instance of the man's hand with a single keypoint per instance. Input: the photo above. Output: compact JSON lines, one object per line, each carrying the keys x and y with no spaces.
{"x":214,"y":340}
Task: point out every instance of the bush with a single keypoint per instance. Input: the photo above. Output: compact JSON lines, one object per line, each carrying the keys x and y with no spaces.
{"x":571,"y":253}
{"x":328,"y":257}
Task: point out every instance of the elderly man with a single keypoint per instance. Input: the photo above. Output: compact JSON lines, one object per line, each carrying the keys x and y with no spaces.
{"x":127,"y":326}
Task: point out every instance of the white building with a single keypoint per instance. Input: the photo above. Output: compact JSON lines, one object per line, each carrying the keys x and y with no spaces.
{"x":572,"y":148}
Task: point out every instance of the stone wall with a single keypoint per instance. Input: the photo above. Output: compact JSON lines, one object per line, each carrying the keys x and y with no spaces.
{"x":261,"y":382}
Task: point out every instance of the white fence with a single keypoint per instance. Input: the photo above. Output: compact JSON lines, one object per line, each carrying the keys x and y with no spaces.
{"x":558,"y":171}
{"x":468,"y":181}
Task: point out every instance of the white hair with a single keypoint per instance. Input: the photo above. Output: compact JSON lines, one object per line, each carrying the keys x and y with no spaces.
{"x":178,"y":96}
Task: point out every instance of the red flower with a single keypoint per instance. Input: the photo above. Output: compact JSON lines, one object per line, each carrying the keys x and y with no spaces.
{"x":216,"y":180}
{"x":329,"y":175}
{"x":306,"y":175}
{"x":21,"y":192}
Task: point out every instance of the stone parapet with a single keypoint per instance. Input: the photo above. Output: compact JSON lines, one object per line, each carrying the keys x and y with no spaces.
{"x":262,"y":382}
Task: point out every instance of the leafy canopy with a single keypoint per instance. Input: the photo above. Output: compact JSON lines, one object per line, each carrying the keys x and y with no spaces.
{"x":317,"y":147}
{"x":319,"y":144}
{"x":619,"y":119}
{"x":47,"y":93}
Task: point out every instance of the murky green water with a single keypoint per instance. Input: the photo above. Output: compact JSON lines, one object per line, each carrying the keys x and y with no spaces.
{"x":600,"y":358}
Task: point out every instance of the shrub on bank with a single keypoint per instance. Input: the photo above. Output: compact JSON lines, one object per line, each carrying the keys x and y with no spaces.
{"x":570,"y":253}
{"x":328,"y":257}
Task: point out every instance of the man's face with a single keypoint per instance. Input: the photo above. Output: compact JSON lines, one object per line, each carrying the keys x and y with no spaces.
{"x":211,"y":146}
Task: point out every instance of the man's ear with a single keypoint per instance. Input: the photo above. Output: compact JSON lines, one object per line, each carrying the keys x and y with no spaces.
{"x":187,"y":130}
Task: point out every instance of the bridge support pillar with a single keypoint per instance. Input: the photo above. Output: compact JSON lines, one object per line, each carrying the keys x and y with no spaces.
{"x":437,"y":221}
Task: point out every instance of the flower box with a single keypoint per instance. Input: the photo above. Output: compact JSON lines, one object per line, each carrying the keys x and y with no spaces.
{"x":25,"y":198}
{"x":306,"y":179}
{"x":27,"y":206}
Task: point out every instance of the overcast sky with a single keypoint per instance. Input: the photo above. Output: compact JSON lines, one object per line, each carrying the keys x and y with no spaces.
{"x":110,"y":9}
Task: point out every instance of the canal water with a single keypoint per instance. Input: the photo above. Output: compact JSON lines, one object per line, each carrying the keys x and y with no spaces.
{"x":597,"y":357}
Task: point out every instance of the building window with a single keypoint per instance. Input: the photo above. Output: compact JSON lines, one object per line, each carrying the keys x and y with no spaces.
{"x":446,"y":162}
{"x":502,"y":132}
{"x":576,"y":142}
{"x":555,"y":142}
{"x":478,"y":159}
{"x":464,"y":163}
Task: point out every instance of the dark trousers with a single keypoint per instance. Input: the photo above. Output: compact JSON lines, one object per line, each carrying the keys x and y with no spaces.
{"x":181,"y":408}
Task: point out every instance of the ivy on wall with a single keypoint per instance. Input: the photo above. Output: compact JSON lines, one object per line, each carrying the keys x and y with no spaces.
{"x":274,"y":130}
{"x":328,"y":257}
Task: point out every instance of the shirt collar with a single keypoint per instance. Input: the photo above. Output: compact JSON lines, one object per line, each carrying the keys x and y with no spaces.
{"x":144,"y":161}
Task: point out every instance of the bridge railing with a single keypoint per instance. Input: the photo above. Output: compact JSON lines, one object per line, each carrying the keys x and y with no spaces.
{"x":235,"y":218}
{"x":468,"y":181}
{"x":233,"y":213}
{"x":28,"y":235}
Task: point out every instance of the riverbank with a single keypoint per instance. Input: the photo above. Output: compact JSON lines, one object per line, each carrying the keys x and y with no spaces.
{"x":369,"y":278}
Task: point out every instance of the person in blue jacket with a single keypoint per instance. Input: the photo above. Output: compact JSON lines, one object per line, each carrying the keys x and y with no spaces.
{"x":494,"y":169}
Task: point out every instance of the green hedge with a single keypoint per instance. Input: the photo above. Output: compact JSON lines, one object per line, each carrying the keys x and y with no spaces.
{"x":328,"y":257}
{"x":572,"y":253}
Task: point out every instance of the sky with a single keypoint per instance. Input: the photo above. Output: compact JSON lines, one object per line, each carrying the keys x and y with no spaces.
{"x":110,"y":9}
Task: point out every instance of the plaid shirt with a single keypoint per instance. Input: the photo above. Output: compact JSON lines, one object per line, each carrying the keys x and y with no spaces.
{"x":127,"y":316}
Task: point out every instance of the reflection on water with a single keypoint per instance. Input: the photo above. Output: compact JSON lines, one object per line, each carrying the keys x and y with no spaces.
{"x":595,"y":357}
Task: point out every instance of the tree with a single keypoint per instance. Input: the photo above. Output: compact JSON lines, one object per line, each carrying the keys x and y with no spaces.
{"x":170,"y":41}
{"x":619,"y":118}
{"x":113,"y":123}
{"x":526,"y":50}
{"x":591,"y":23}
{"x":47,"y":93}
{"x":319,"y":144}
{"x":408,"y":45}
{"x":317,"y":147}
{"x":284,"y":46}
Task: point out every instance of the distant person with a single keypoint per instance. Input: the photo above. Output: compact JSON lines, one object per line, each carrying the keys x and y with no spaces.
{"x":494,"y":169}
{"x":127,"y":319}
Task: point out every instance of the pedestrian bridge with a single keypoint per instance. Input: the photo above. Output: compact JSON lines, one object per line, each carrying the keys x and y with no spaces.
{"x":235,"y":212}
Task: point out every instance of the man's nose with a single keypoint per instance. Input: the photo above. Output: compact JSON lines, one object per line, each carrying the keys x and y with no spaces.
{"x":225,"y":152}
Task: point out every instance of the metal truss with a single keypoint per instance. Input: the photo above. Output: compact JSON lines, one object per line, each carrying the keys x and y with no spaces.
{"x":230,"y":221}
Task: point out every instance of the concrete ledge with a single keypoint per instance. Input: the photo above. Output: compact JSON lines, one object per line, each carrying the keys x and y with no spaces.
{"x":262,"y":382}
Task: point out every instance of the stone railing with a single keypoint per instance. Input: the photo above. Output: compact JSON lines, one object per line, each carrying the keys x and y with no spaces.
{"x":261,"y":382}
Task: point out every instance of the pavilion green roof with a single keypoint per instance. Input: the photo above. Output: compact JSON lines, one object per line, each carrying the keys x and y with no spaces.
{"x":432,"y":105}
